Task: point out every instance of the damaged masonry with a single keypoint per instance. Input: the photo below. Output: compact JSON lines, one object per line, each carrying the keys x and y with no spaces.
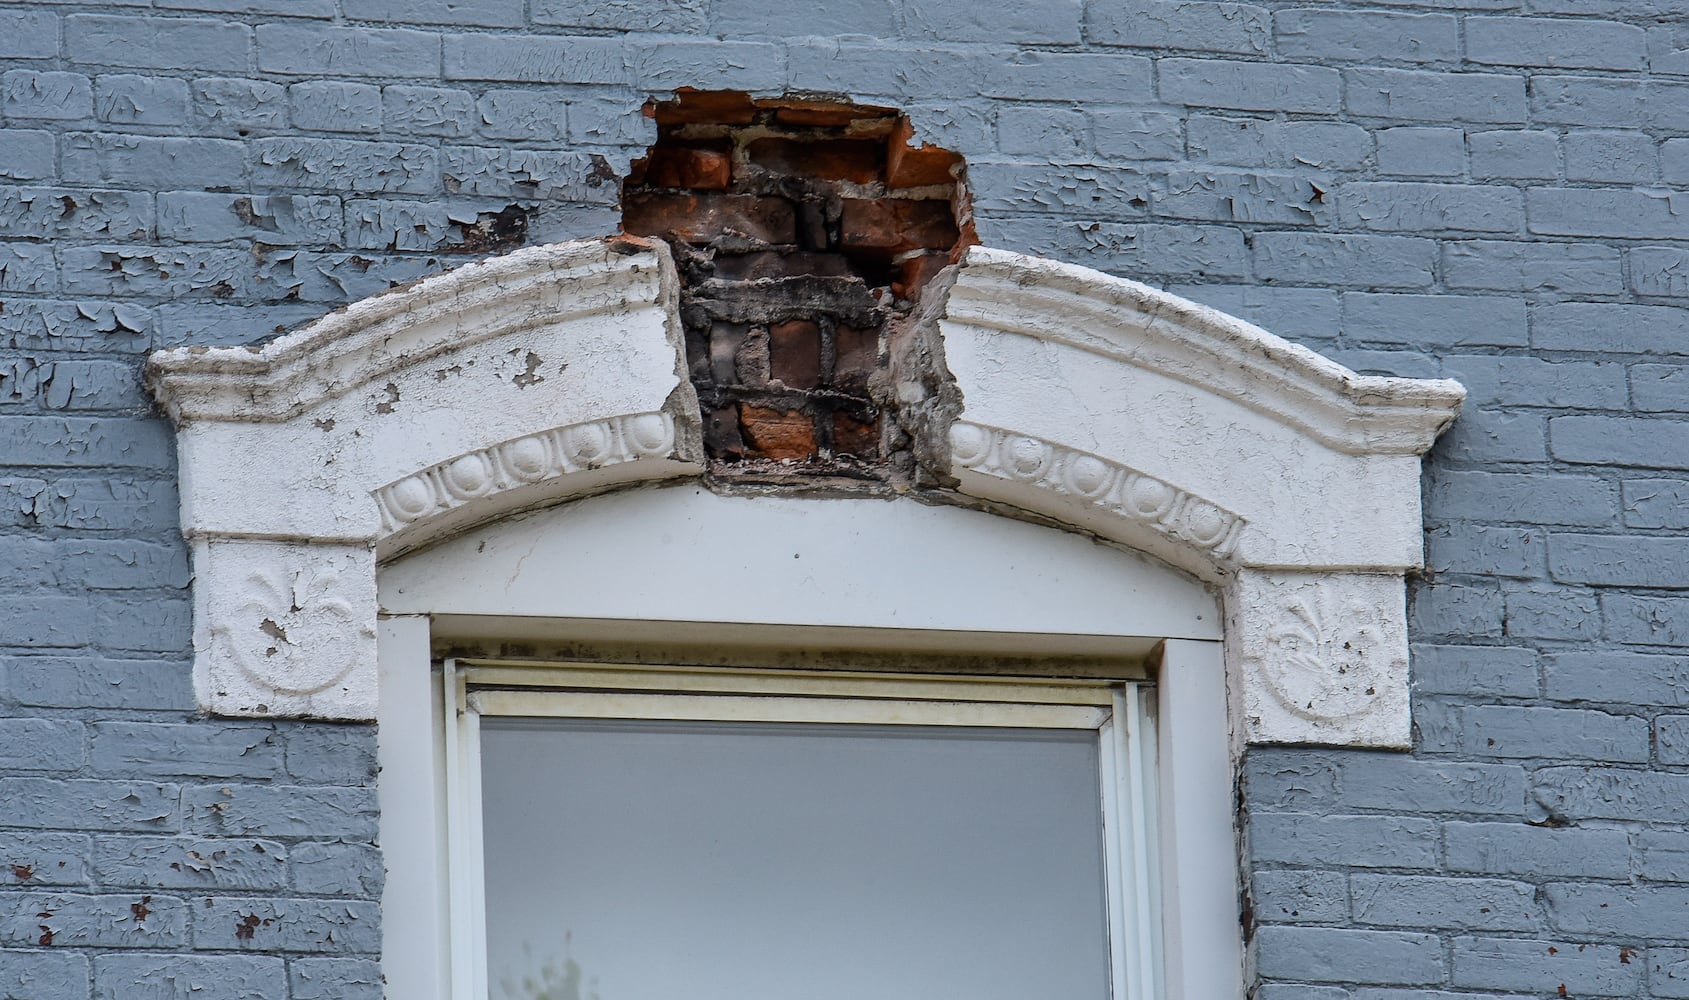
{"x":804,"y":231}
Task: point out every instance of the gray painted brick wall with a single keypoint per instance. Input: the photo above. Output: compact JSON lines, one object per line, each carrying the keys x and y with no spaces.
{"x":1487,"y":189}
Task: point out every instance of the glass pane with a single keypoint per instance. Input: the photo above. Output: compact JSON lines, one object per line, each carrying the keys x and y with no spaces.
{"x":714,"y":861}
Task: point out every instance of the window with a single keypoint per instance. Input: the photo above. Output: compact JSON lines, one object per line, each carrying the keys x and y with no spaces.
{"x":743,"y":834}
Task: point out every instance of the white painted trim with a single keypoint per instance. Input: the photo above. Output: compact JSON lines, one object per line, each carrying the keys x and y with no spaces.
{"x":557,"y":372}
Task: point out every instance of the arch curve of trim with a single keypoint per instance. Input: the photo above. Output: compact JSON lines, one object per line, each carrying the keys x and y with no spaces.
{"x":555,"y":372}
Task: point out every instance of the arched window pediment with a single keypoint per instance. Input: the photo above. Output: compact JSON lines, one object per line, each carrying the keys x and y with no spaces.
{"x":1285,"y":480}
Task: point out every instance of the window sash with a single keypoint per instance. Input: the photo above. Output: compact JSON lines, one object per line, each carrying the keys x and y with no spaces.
{"x":1121,"y":713}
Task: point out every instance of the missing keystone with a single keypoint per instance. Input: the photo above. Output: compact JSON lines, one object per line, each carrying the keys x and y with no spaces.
{"x":804,"y":231}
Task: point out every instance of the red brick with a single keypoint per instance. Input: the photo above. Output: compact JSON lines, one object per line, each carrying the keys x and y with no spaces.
{"x":856,"y":160}
{"x":856,"y":356}
{"x":827,"y":114}
{"x":896,"y":225}
{"x":772,"y":264}
{"x":779,"y":434}
{"x":794,"y":350}
{"x":700,"y":168}
{"x":914,"y":273}
{"x":725,"y":107}
{"x":908,"y":167}
{"x":702,"y":218}
{"x":855,"y":437}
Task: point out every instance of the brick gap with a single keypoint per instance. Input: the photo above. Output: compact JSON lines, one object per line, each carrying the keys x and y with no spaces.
{"x":804,"y":230}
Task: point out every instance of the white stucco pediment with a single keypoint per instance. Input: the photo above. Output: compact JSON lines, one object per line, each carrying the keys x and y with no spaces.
{"x":1281,"y":478}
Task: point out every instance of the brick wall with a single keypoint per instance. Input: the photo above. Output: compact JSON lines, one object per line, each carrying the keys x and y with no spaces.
{"x":1489,"y":189}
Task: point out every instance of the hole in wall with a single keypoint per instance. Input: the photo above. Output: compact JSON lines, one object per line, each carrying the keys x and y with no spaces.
{"x":804,"y":230}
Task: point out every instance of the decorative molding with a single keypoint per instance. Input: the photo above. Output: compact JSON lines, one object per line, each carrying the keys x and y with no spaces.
{"x":524,"y":462}
{"x":1108,"y":485}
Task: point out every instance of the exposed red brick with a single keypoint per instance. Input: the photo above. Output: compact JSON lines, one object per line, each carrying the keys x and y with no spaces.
{"x":914,"y":272}
{"x":778,"y":434}
{"x":856,"y":356}
{"x":703,"y":218}
{"x":858,"y":438}
{"x":726,"y":107}
{"x":779,"y":264}
{"x":794,"y":350}
{"x":827,"y":114}
{"x":701,"y":168}
{"x":721,"y":432}
{"x":896,"y":225}
{"x":856,"y":160}
{"x":908,"y":167}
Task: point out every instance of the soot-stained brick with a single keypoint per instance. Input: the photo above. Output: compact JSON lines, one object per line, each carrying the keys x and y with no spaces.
{"x":804,"y":231}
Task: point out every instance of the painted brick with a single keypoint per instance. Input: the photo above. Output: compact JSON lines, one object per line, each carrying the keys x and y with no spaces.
{"x":280,"y":811}
{"x":119,"y":564}
{"x":609,"y":121}
{"x":43,"y":973}
{"x":534,"y":59}
{"x":1386,"y":781}
{"x":1519,"y":154}
{"x":1131,"y":134}
{"x":1330,"y":258}
{"x":1422,"y":151}
{"x":856,"y":68}
{"x":1539,"y":499}
{"x":1420,"y":901}
{"x":1668,"y":49}
{"x":667,"y":63}
{"x":1656,"y":503}
{"x":199,"y":323}
{"x":1575,"y":793}
{"x":194,"y":216}
{"x":1610,"y":157}
{"x":220,"y":750}
{"x":1545,"y":966}
{"x":1447,"y":321}
{"x":482,"y":13}
{"x":1659,"y":388}
{"x":157,"y":42}
{"x":1618,"y":910}
{"x":42,"y":744}
{"x":153,"y":162}
{"x":58,"y":803}
{"x":1301,"y":314}
{"x":428,"y":111}
{"x":331,"y":869}
{"x":1417,"y":95}
{"x":1603,"y":102}
{"x":155,"y":623}
{"x":1417,"y":208}
{"x":1562,"y":733}
{"x":1646,"y":621}
{"x":132,"y":976}
{"x":76,"y":682}
{"x":1299,"y":897}
{"x":1671,"y":737}
{"x":1663,"y":855}
{"x":528,"y":173}
{"x":1341,"y":955}
{"x":28,"y":35}
{"x":1161,"y":25}
{"x":1574,"y":326}
{"x":1134,"y":249}
{"x":1015,"y":188}
{"x":1288,"y":780}
{"x":168,"y":272}
{"x":334,"y":979}
{"x":523,"y":114}
{"x":92,"y":504}
{"x":1487,"y":550}
{"x":235,"y":104}
{"x":1668,"y":972}
{"x":30,"y":94}
{"x":1640,"y":441}
{"x":676,"y":16}
{"x":1529,"y":267}
{"x":396,"y":225}
{"x":1524,"y":850}
{"x":1054,"y":23}
{"x":1252,"y":142}
{"x":1366,"y":361}
{"x":26,"y":154}
{"x":1487,"y":436}
{"x":243,"y":865}
{"x":1619,"y":560}
{"x":1250,"y":86}
{"x":313,"y":50}
{"x":1611,"y":675}
{"x":45,"y":324}
{"x":128,"y":99}
{"x":1522,"y":381}
{"x":345,"y":165}
{"x":1235,"y":196}
{"x":852,"y":17}
{"x":337,"y":277}
{"x":1349,"y":36}
{"x":334,"y":106}
{"x":35,"y":859}
{"x":1565,"y":44}
{"x":36,"y":212}
{"x":294,"y":925}
{"x":321,"y":9}
{"x":329,"y":754}
{"x":1479,"y":671}
{"x":1349,"y":841}
{"x":1058,"y":135}
{"x":1564,"y":613}
{"x":1601,"y":212}
{"x":1456,"y":611}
